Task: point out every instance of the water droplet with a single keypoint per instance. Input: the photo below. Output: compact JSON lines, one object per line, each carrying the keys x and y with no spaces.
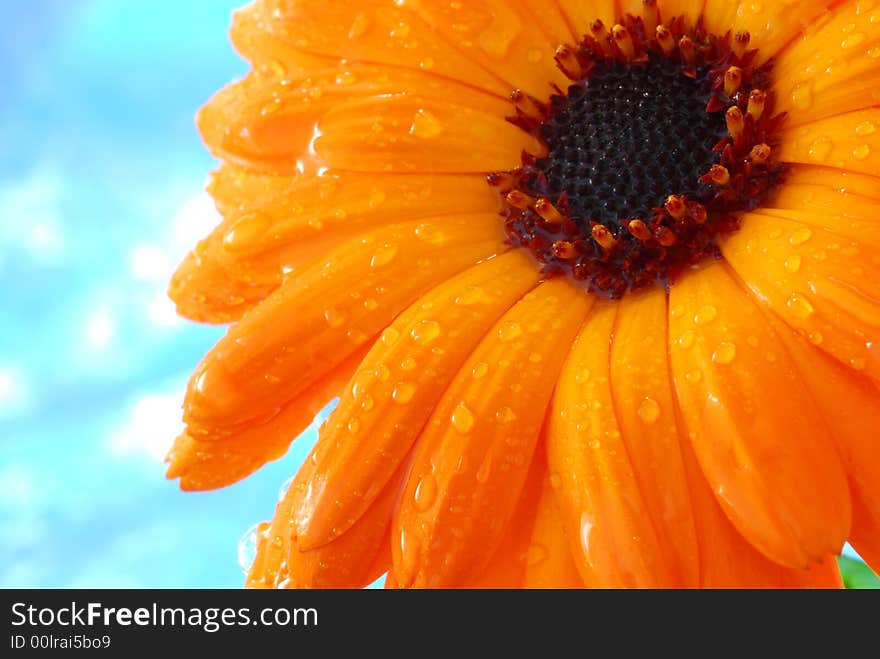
{"x":676,"y":312}
{"x":282,"y":491}
{"x":410,"y":548}
{"x":370,"y":304}
{"x":687,"y":339}
{"x":425,"y":125}
{"x":426,"y":493}
{"x":693,"y":377}
{"x":354,"y":426}
{"x":800,"y":305}
{"x":403,"y":393}
{"x":505,"y":415}
{"x":874,"y":52}
{"x":382,"y":372}
{"x":247,"y":546}
{"x":462,"y":419}
{"x":649,"y":410}
{"x":800,"y":236}
{"x":334,"y":318}
{"x":535,"y":358}
{"x":706,"y":315}
{"x":536,"y":554}
{"x":861,"y":152}
{"x":389,"y":336}
{"x":472,"y":296}
{"x":425,"y":332}
{"x":793,"y":263}
{"x":509,"y":331}
{"x":408,"y":364}
{"x":582,"y":376}
{"x":555,"y":481}
{"x":816,"y":338}
{"x":534,"y":56}
{"x":485,"y":469}
{"x":383,"y":256}
{"x":480,"y":369}
{"x":820,"y":149}
{"x":359,"y":26}
{"x":367,"y":403}
{"x":802,"y":95}
{"x":725,"y":353}
{"x":866,"y":128}
{"x":853,"y":40}
{"x":248,"y":232}
{"x":426,"y":63}
{"x":431,"y":233}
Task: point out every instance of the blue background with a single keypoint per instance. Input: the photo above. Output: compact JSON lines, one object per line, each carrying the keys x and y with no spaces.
{"x":101,"y":194}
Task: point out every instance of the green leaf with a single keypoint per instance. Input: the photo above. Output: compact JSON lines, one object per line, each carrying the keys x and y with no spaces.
{"x":857,"y":575}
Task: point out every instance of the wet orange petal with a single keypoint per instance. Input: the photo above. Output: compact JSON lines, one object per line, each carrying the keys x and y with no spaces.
{"x":549,"y":561}
{"x":266,"y":122}
{"x":471,"y":460}
{"x":644,"y":404}
{"x":850,"y":404}
{"x":669,"y":9}
{"x":507,"y":567}
{"x":375,"y":31}
{"x":504,"y":37}
{"x":833,"y":67}
{"x":818,"y":272}
{"x":772,"y":25}
{"x":788,"y":498}
{"x":836,"y":179}
{"x":315,"y":320}
{"x":613,"y":541}
{"x":395,"y":390}
{"x":582,"y":13}
{"x":414,"y":133}
{"x":848,"y":141}
{"x":727,"y":560}
{"x":206,"y":464}
{"x":275,"y":225}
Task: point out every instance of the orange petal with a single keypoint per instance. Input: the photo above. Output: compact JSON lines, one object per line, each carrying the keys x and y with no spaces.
{"x":275,"y":225}
{"x":415,"y":133}
{"x":549,"y":561}
{"x":848,"y":141}
{"x":507,"y":567}
{"x":374,"y":31}
{"x":268,"y":122}
{"x":825,"y":200}
{"x":644,"y":404}
{"x":850,"y":404}
{"x":206,"y":464}
{"x":315,"y":320}
{"x":833,"y":67}
{"x":581,"y":14}
{"x":471,"y":460}
{"x":772,"y":25}
{"x":613,"y":541}
{"x":836,"y":179}
{"x":503,"y":37}
{"x":819,"y":273}
{"x":760,"y":441}
{"x":669,"y":9}
{"x":395,"y":390}
{"x":726,"y":559}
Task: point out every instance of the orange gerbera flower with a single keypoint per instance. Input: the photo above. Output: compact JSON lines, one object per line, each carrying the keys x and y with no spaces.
{"x":597,"y":285}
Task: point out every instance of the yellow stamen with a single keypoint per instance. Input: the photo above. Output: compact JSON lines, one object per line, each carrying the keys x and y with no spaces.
{"x":676,"y":207}
{"x":563,"y":249}
{"x":665,"y":236}
{"x":757,"y":99}
{"x":548,"y":211}
{"x":519,"y":200}
{"x":760,"y":154}
{"x":623,"y":40}
{"x":717,"y":174}
{"x":604,"y":237}
{"x":688,"y":50}
{"x":732,"y":80}
{"x":735,"y":121}
{"x":568,"y":62}
{"x":664,"y":37}
{"x":639,"y":230}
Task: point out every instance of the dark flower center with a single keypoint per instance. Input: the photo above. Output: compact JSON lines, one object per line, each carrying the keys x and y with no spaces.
{"x":665,"y":134}
{"x":622,"y":143}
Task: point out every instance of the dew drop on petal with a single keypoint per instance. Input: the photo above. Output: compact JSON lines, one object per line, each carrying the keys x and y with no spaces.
{"x":383,"y":256}
{"x":480,"y":370}
{"x":866,"y":128}
{"x":800,"y":236}
{"x":425,"y":125}
{"x":485,"y":469}
{"x":426,"y":493}
{"x":247,"y":545}
{"x":802,"y":96}
{"x":425,"y":332}
{"x":725,"y":353}
{"x":509,"y":331}
{"x":820,"y":149}
{"x":649,"y":410}
{"x":705,"y":315}
{"x":334,"y":318}
{"x":505,"y":415}
{"x":800,"y":305}
{"x":861,"y":152}
{"x":793,"y":263}
{"x":462,"y":419}
{"x":403,"y":393}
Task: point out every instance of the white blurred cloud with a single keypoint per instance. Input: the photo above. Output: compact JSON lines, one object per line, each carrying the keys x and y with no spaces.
{"x":194,"y":220}
{"x":15,"y":391}
{"x":32,"y":222}
{"x":154,"y":421}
